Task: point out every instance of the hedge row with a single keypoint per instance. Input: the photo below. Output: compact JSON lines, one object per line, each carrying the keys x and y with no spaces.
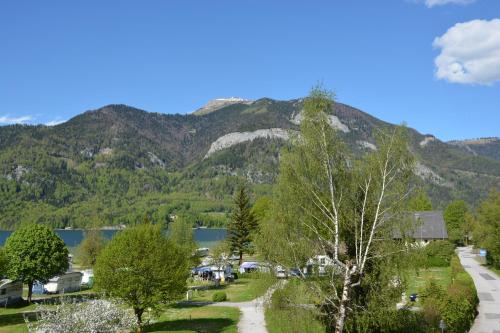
{"x":456,"y":305}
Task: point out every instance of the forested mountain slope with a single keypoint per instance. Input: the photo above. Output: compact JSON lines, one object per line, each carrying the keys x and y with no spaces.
{"x":115,"y":164}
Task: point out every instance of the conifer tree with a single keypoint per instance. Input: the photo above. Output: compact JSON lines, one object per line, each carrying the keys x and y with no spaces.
{"x":243,"y":225}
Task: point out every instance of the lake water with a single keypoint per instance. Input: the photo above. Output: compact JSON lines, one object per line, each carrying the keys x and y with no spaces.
{"x":72,"y":238}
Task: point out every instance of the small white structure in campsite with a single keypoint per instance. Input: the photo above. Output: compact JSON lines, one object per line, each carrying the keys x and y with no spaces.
{"x":10,"y":291}
{"x":87,"y":277}
{"x":64,"y":283}
{"x":320,"y":261}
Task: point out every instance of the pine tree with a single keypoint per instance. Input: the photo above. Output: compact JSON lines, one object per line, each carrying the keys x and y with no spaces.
{"x":243,"y":225}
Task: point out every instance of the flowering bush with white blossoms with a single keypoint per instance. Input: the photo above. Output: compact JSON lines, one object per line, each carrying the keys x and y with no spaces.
{"x":92,"y":316}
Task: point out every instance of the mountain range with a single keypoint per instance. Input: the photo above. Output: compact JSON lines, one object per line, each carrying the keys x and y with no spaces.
{"x":116,"y":164}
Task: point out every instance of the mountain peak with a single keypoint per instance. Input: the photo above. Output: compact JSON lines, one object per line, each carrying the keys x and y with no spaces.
{"x":218,"y":103}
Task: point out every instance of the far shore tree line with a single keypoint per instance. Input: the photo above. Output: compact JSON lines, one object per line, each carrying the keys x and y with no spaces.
{"x":326,"y":202}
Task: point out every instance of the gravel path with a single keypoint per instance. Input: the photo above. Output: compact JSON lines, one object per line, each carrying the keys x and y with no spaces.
{"x":252,"y":318}
{"x":488,"y":289}
{"x":252,"y":315}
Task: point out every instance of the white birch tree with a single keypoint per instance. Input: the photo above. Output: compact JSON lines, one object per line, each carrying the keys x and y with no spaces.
{"x":345,"y":207}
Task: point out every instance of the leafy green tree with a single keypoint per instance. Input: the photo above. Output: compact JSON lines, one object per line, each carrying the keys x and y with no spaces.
{"x":89,"y":249}
{"x":143,"y":268}
{"x":35,"y":252}
{"x":243,"y":225}
{"x":331,"y":204}
{"x":487,"y":230}
{"x":181,"y":233}
{"x":419,"y":202}
{"x":262,"y":207}
{"x":455,"y":217}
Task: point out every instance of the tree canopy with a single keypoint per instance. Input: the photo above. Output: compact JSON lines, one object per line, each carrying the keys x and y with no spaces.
{"x":90,"y":247}
{"x":143,"y":268}
{"x":419,"y":201}
{"x":487,"y":231}
{"x":35,"y":252}
{"x":455,"y":216}
{"x":345,"y":208}
{"x":181,"y":233}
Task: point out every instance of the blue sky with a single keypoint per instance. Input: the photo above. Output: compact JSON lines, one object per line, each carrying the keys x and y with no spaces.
{"x":60,"y":58}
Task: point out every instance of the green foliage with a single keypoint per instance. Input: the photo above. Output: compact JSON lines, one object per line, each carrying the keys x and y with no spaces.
{"x":262,"y":207}
{"x":90,"y":248}
{"x":388,"y":320}
{"x":283,"y":315}
{"x":419,"y":201}
{"x":455,"y":218}
{"x":113,"y":165}
{"x":456,"y":305}
{"x":3,"y":262}
{"x":219,"y":296}
{"x":320,"y":183}
{"x":181,"y":233}
{"x":35,"y":252}
{"x":143,"y":268}
{"x":487,"y":231}
{"x":439,"y":253}
{"x":243,"y":225}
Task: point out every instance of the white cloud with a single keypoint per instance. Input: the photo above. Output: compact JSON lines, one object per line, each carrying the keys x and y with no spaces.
{"x":470,"y":53}
{"x":14,"y":120}
{"x":432,"y":3}
{"x":55,"y":122}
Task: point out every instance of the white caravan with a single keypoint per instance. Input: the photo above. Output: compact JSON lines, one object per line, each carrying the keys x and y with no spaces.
{"x":10,"y":291}
{"x":64,"y":283}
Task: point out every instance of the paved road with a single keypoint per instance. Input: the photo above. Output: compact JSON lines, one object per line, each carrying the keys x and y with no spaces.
{"x":488,"y":289}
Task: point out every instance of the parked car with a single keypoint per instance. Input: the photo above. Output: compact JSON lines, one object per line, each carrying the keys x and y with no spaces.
{"x":295,"y":272}
{"x":281,"y":272}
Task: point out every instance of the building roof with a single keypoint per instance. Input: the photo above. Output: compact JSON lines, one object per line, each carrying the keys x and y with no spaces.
{"x":426,"y":225}
{"x":4,"y":282}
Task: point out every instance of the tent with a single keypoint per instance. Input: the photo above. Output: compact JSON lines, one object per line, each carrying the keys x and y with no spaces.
{"x":248,"y":266}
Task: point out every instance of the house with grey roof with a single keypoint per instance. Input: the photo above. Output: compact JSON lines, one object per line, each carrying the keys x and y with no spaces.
{"x":424,"y":227}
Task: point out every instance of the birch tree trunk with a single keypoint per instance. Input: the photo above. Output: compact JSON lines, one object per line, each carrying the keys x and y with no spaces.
{"x":344,"y":300}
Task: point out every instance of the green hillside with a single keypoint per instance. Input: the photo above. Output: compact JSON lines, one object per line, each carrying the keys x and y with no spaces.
{"x":116,"y":164}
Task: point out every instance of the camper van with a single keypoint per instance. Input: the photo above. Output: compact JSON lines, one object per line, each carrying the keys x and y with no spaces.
{"x":64,"y":283}
{"x":11,"y":292}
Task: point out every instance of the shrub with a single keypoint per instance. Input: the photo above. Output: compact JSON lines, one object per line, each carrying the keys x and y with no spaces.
{"x":457,"y":306}
{"x":439,"y":253}
{"x":436,"y":262}
{"x":219,"y":296}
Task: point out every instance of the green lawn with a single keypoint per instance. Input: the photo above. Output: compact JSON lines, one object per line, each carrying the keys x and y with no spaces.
{"x":283,"y":318}
{"x":493,"y":269}
{"x":241,"y":290}
{"x":418,"y":280}
{"x":207,"y":319}
{"x":180,"y":318}
{"x":11,"y":319}
{"x":292,"y":321}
